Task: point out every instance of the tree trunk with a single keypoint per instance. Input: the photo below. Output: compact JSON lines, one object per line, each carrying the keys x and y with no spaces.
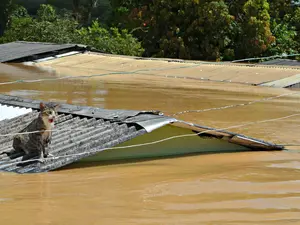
{"x":76,"y":9}
{"x":91,"y":5}
{"x":5,"y":11}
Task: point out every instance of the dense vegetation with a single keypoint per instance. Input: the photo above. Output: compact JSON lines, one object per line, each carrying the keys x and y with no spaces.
{"x":187,"y":29}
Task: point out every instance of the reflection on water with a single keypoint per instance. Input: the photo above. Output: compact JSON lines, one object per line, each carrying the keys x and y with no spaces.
{"x":232,"y":188}
{"x":82,"y":92}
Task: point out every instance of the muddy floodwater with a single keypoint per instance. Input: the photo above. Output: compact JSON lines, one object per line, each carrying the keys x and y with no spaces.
{"x":233,"y":188}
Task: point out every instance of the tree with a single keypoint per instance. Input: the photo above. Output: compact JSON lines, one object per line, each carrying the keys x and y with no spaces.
{"x":86,"y":10}
{"x":29,"y":29}
{"x":6,"y":7}
{"x":210,"y":43}
{"x":49,"y":27}
{"x":46,"y":13}
{"x":188,"y":29}
{"x":285,"y":38}
{"x":295,"y":23}
{"x":110,"y":41}
{"x":280,"y":8}
{"x":254,"y":35}
{"x":90,"y":5}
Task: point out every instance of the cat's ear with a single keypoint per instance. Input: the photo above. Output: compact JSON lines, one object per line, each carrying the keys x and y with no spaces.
{"x":42,"y":106}
{"x":56,"y":107}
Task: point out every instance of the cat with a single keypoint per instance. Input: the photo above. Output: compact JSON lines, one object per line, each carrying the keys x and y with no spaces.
{"x":38,"y":141}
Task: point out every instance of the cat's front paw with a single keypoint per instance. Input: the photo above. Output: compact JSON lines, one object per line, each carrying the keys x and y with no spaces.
{"x":40,"y":160}
{"x":48,"y":155}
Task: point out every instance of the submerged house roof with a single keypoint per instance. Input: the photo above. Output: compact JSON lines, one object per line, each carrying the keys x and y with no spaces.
{"x":91,"y":63}
{"x":75,"y":56}
{"x":83,"y":131}
{"x":283,"y":62}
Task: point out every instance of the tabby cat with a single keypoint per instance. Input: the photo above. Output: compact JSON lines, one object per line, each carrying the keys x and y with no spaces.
{"x":38,"y":141}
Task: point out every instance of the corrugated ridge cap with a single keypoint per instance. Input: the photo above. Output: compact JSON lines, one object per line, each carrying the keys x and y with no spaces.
{"x":127,"y":116}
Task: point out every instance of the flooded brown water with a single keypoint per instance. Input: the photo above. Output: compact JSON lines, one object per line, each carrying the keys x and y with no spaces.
{"x":232,"y":188}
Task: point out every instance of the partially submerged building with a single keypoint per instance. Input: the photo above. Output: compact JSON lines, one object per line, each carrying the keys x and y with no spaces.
{"x":93,"y":134}
{"x":65,"y":57}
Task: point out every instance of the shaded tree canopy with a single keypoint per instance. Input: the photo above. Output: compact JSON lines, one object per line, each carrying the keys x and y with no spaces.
{"x":48,"y":26}
{"x":188,"y":29}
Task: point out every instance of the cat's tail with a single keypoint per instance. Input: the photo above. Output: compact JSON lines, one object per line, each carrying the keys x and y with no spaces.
{"x":7,"y":153}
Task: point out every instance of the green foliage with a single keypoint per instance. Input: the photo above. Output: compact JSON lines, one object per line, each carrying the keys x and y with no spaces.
{"x":255,"y":36}
{"x":19,"y":12}
{"x":295,"y":19}
{"x":183,"y":29}
{"x":46,"y":13}
{"x":280,"y":8}
{"x":46,"y":28}
{"x":112,"y":40}
{"x":189,"y":29}
{"x":28,"y":29}
{"x":19,"y":30}
{"x":49,"y":27}
{"x":31,"y":5}
{"x":295,"y":22}
{"x":212,"y":29}
{"x":6,"y":8}
{"x":285,"y":42}
{"x":84,"y":11}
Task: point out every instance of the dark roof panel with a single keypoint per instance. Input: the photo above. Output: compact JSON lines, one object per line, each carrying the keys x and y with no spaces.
{"x":75,"y":138}
{"x":283,"y":62}
{"x":18,"y":50}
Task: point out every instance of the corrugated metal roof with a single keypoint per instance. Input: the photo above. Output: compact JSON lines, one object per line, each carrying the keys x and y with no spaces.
{"x":239,"y":139}
{"x":17,"y":51}
{"x":130,"y":116}
{"x":283,"y":62}
{"x":93,"y":130}
{"x":83,"y":131}
{"x":69,"y":143}
{"x":96,"y":64}
{"x":48,"y":54}
{"x":292,"y":81}
{"x":294,"y":86}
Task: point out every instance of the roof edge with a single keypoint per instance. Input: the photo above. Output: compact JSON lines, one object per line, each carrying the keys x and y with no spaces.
{"x":148,"y":120}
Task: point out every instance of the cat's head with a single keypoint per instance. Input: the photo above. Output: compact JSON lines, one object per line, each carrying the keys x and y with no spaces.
{"x":49,"y":112}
